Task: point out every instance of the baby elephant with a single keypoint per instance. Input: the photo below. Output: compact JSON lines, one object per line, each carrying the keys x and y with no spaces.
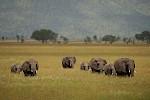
{"x":85,"y":66}
{"x":16,"y":68}
{"x":30,"y":67}
{"x":109,"y":69}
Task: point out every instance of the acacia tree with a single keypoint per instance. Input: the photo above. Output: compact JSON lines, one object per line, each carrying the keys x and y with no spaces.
{"x":65,"y":39}
{"x":88,"y":40}
{"x":143,"y":36}
{"x":3,"y":38}
{"x":44,"y":35}
{"x":18,"y":38}
{"x":95,"y":38}
{"x":109,"y":38}
{"x":146,"y":35}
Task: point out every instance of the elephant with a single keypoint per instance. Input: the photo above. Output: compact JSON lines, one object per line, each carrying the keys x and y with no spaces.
{"x":68,"y":62}
{"x":16,"y":68}
{"x":85,"y":66}
{"x":30,"y":67}
{"x":109,"y":69}
{"x":97,"y":65}
{"x":124,"y":67}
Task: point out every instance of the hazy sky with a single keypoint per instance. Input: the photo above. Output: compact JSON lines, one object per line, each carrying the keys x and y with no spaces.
{"x":74,"y":18}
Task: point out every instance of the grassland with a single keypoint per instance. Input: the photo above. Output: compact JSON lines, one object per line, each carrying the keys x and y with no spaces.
{"x":55,"y":83}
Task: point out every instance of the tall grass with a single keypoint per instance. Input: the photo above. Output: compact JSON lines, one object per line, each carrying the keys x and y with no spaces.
{"x":55,"y":83}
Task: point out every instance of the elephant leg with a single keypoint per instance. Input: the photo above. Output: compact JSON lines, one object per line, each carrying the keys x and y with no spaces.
{"x":33,"y":73}
{"x":132,"y":73}
{"x":64,"y":65}
{"x":101,"y":70}
{"x":93,"y":71}
{"x":26,"y":73}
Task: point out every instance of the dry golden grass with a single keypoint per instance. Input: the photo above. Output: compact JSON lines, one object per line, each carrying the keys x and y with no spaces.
{"x":54,"y":82}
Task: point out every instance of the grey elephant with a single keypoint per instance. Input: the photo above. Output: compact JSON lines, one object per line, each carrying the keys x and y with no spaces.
{"x":85,"y":66}
{"x":109,"y":69}
{"x":30,"y":67}
{"x":97,"y":65}
{"x":68,"y":62}
{"x":124,"y":67}
{"x":16,"y":68}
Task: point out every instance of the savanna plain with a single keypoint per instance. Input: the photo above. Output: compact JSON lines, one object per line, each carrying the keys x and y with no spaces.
{"x":55,"y":83}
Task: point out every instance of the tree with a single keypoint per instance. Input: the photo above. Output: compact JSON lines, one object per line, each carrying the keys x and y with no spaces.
{"x":139,"y":37}
{"x":143,"y":36}
{"x":44,"y":35}
{"x":125,"y":39}
{"x":65,"y":39}
{"x":3,"y":38}
{"x":95,"y":38}
{"x":146,"y":35}
{"x":87,"y":40}
{"x":18,"y":38}
{"x":109,"y":38}
{"x":54,"y":37}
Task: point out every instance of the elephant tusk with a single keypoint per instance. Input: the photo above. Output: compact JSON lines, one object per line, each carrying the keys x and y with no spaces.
{"x":135,"y":71}
{"x":129,"y":71}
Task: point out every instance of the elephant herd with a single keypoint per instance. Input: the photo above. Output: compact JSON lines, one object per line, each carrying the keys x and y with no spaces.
{"x":121,"y":67}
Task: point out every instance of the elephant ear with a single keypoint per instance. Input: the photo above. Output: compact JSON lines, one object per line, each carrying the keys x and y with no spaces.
{"x":122,"y":65}
{"x":67,"y":60}
{"x":105,"y":62}
{"x":74,"y":59}
{"x":25,"y":65}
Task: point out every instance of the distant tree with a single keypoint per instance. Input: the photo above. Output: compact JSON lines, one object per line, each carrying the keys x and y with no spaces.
{"x":118,"y":38}
{"x":125,"y":39}
{"x":95,"y":38}
{"x":3,"y":38}
{"x":146,"y":35}
{"x":65,"y":39}
{"x":54,"y":37}
{"x":109,"y":38}
{"x":143,"y":36}
{"x":18,"y":38}
{"x":44,"y":35}
{"x":139,"y":37}
{"x":88,"y":40}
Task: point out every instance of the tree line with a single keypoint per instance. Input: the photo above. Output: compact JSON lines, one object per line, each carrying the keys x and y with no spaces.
{"x":45,"y":35}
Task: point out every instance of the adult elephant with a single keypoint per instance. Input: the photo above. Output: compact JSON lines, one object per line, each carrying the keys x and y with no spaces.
{"x":68,"y":62}
{"x":109,"y":69}
{"x":124,"y":67}
{"x":30,"y":67}
{"x":16,"y":68}
{"x":85,"y":66}
{"x":97,"y":65}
